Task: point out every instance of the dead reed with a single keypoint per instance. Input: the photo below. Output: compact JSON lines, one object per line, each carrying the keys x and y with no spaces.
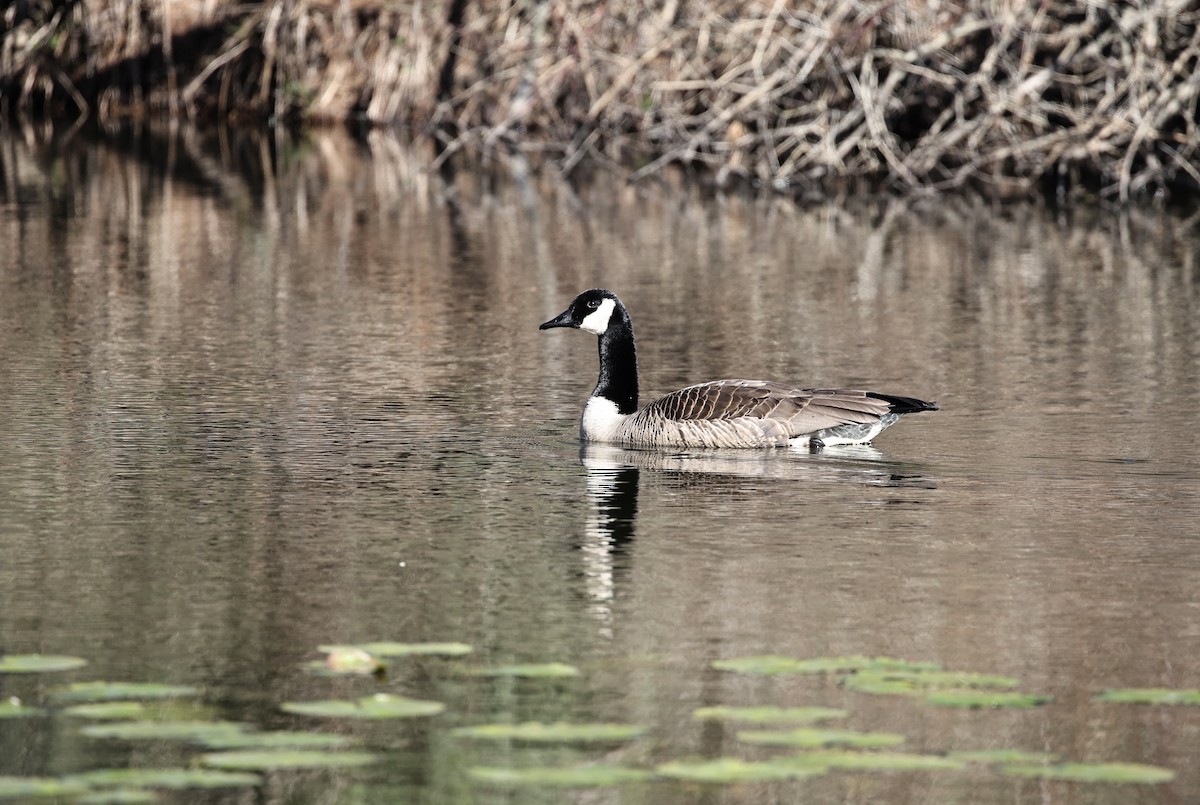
{"x":1060,"y":96}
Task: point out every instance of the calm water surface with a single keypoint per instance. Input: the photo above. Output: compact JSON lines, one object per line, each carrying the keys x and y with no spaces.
{"x":254,"y":399}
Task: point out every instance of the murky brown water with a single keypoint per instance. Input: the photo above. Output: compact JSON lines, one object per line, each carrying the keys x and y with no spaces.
{"x":253,"y":401}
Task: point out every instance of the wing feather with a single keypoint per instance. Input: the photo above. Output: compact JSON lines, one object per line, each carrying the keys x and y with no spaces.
{"x":801,"y":411}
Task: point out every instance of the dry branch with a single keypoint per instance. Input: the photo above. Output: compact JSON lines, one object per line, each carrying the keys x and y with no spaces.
{"x":921,"y":94}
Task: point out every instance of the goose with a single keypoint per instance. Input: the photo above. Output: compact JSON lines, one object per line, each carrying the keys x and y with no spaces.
{"x":720,"y":413}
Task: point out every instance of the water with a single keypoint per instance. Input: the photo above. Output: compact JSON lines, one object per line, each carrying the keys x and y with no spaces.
{"x":260,"y":396}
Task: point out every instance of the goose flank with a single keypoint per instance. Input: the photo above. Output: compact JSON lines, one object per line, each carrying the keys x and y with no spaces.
{"x":721,"y":413}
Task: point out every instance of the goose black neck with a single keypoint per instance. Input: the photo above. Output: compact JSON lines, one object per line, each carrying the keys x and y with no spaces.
{"x":618,"y":366}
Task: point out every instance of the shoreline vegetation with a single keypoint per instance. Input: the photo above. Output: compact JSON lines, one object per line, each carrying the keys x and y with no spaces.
{"x":1067,"y":99}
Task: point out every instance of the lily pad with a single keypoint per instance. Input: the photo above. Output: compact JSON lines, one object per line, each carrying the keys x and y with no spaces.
{"x":269,"y":760}
{"x":906,"y":681}
{"x":769,"y":715}
{"x":884,"y":761}
{"x":176,"y":779}
{"x":29,"y":787}
{"x":14,"y":709}
{"x":1149,"y":696}
{"x":991,"y":700}
{"x":557,"y":732}
{"x":530,"y":670}
{"x":277,"y":739}
{"x":874,"y":683}
{"x":381,"y":705}
{"x":119,"y":796}
{"x":391,"y":649}
{"x":119,"y":691}
{"x":814,"y":737}
{"x":733,"y":770}
{"x":771,"y":664}
{"x":38,"y":663}
{"x":591,"y":776}
{"x":1010,"y":756}
{"x":1094,"y":772}
{"x":162,"y":730}
{"x":107,"y":711}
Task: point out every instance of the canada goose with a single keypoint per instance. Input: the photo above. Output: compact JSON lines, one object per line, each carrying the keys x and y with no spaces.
{"x":722,"y":413}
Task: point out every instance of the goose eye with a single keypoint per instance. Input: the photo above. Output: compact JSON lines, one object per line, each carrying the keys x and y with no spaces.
{"x":593,"y":303}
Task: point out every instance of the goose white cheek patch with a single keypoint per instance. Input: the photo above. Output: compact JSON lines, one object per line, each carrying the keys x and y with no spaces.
{"x":597,"y":322}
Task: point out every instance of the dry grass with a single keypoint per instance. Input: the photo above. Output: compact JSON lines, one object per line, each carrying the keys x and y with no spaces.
{"x":924,"y":95}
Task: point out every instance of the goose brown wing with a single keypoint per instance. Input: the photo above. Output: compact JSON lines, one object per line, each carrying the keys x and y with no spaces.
{"x":804,"y":410}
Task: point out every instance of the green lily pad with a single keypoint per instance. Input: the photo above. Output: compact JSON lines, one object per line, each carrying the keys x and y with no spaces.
{"x":535,"y":731}
{"x":175,"y":779}
{"x":30,"y":787}
{"x":873,"y":683}
{"x":769,"y":715}
{"x":814,"y":737}
{"x":986,"y":699}
{"x":14,"y":709}
{"x":277,"y":739}
{"x":591,"y":776}
{"x":107,"y":711}
{"x":119,"y":691}
{"x":531,"y":670}
{"x":381,"y":705}
{"x":904,"y":681}
{"x":733,"y":770}
{"x":1010,"y":756}
{"x":1094,"y":772}
{"x":771,"y":664}
{"x":884,"y":761}
{"x":38,"y":663}
{"x":269,"y":760}
{"x":161,"y":730}
{"x":119,"y":796}
{"x":1149,"y":696}
{"x":391,"y":649}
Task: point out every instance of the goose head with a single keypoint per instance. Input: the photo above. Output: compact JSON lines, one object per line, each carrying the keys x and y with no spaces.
{"x":591,"y":311}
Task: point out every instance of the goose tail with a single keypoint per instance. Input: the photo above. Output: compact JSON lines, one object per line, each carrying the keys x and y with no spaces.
{"x":904,"y":405}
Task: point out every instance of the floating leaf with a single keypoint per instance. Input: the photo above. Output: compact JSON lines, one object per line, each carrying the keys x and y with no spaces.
{"x":268,"y":760}
{"x":25,"y":787}
{"x":773,"y":664}
{"x":1013,"y":756}
{"x":986,"y":699}
{"x":381,"y":705}
{"x":733,"y":770}
{"x":814,"y":737}
{"x":769,"y":715}
{"x":925,"y":680}
{"x":119,"y":796}
{"x":119,"y":691}
{"x":165,"y":778}
{"x":110,"y":711}
{"x":14,"y":709}
{"x":38,"y":663}
{"x":162,"y":730}
{"x":543,"y":669}
{"x":1149,"y":696}
{"x":275,"y":740}
{"x":1094,"y":772}
{"x":592,"y":776}
{"x":386,"y":649}
{"x":535,"y":731}
{"x":873,"y":683}
{"x":884,"y":761}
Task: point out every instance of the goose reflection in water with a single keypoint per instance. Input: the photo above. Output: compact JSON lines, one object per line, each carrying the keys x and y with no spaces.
{"x":613,"y":478}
